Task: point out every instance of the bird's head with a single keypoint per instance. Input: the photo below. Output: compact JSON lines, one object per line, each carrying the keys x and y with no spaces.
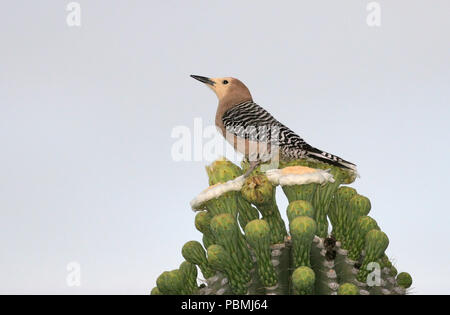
{"x":228,"y":90}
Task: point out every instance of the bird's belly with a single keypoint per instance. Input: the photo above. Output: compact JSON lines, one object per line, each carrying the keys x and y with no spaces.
{"x":252,"y":150}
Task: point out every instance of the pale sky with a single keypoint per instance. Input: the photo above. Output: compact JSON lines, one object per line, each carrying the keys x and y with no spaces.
{"x":87,"y":113}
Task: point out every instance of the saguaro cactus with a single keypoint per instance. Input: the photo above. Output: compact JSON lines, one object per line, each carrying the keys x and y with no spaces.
{"x":266,"y":259}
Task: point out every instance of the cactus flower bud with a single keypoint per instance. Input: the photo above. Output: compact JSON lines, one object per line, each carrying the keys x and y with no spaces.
{"x":348,"y":289}
{"x":299,"y":208}
{"x":404,"y":280}
{"x":303,"y":279}
{"x":194,"y":253}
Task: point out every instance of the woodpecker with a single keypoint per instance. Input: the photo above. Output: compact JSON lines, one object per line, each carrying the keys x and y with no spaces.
{"x":255,"y":133}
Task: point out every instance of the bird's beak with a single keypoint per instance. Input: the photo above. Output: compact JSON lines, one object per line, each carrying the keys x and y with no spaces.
{"x":203,"y":79}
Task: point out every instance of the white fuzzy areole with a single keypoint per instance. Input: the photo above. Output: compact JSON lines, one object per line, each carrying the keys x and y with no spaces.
{"x":331,"y":274}
{"x":328,"y":263}
{"x":276,"y":252}
{"x":277,"y":246}
{"x":277,"y":177}
{"x":333,"y":286}
{"x":385,"y":292}
{"x":220,"y":291}
{"x":272,"y":288}
{"x":349,"y":261}
{"x":217,"y":191}
{"x":212,"y":279}
{"x":399,"y":290}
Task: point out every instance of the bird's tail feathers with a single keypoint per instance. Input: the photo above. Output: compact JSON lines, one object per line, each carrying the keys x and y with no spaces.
{"x":331,"y":159}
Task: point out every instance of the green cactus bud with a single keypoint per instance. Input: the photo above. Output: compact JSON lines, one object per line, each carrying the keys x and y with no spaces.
{"x":361,"y":204}
{"x":259,"y":191}
{"x":375,"y":245}
{"x":202,"y":223}
{"x":348,"y":176}
{"x":155,"y":291}
{"x":346,"y":193}
{"x":171,"y":283}
{"x":219,"y":259}
{"x":363,"y":225}
{"x":257,"y":233}
{"x":348,"y":289}
{"x":303,"y":279}
{"x":299,"y":208}
{"x":302,"y":231}
{"x":226,"y":232}
{"x":194,"y":253}
{"x":189,"y":272}
{"x":404,"y":280}
{"x":163,"y":283}
{"x":221,"y":171}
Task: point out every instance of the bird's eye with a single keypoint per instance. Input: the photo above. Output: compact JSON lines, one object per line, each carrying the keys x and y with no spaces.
{"x":225,"y":82}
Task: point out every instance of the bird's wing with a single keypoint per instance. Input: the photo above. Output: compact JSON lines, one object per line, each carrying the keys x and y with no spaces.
{"x":250,"y":121}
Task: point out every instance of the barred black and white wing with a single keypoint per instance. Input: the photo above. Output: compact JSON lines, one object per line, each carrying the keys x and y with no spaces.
{"x":250,"y":121}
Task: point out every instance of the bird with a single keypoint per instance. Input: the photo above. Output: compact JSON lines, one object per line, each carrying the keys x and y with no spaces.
{"x":255,"y":133}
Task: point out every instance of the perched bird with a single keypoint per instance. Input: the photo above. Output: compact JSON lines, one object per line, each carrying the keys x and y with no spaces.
{"x":255,"y":133}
